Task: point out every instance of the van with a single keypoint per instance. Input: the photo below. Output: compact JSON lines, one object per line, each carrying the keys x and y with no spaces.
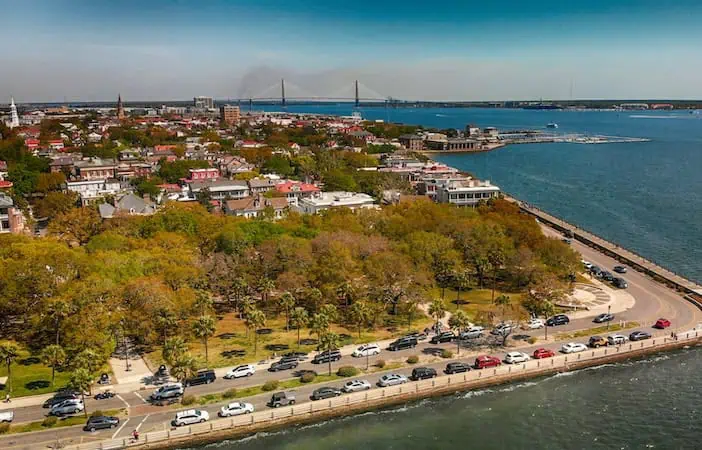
{"x":202,"y":377}
{"x":326,"y":356}
{"x":167,"y":391}
{"x":403,"y":344}
{"x":423,"y":373}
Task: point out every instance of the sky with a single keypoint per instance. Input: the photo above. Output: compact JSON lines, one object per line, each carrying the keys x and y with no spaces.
{"x":91,"y":50}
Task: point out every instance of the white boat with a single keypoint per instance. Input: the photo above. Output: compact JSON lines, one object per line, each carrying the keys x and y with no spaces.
{"x":552,"y":125}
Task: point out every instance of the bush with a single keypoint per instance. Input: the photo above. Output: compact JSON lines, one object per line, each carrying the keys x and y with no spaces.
{"x":188,"y":400}
{"x":308,"y":377}
{"x":532,"y":340}
{"x":4,"y":428}
{"x":347,"y":371}
{"x":446,"y":353}
{"x":270,"y":385}
{"x":97,"y":413}
{"x":49,"y":422}
{"x":380,"y":363}
{"x":229,"y":393}
{"x":414,"y":359}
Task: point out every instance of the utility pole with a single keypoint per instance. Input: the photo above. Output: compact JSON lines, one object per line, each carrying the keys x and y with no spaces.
{"x":357,"y":99}
{"x":282,"y":90}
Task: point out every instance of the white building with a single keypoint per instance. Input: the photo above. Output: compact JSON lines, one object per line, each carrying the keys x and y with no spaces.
{"x":327,"y":200}
{"x":92,"y":190}
{"x":14,"y":118}
{"x":221,"y":189}
{"x":466,"y":192}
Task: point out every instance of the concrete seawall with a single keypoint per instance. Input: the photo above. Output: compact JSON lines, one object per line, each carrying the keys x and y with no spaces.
{"x":272,"y":419}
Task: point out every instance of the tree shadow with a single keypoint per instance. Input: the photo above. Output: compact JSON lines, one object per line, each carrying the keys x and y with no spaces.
{"x":434,"y":351}
{"x":226,"y":336}
{"x":277,"y":347}
{"x":264,"y":331}
{"x":29,"y":361}
{"x":308,"y":341}
{"x":39,"y":384}
{"x":233,"y":353}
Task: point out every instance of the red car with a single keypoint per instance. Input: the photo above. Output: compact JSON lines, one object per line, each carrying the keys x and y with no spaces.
{"x":662,"y":323}
{"x":541,"y":353}
{"x":481,"y":362}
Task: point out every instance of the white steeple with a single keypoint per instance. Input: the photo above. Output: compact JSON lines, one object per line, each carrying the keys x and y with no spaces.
{"x":14,"y":118}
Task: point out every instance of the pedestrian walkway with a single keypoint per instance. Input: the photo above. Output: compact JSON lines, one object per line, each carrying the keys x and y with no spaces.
{"x":135,"y":372}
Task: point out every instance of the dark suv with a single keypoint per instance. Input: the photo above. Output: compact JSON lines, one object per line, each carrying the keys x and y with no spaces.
{"x":403,"y":343}
{"x":558,"y":319}
{"x":284,"y":364}
{"x":202,"y":377}
{"x":456,"y":367}
{"x":422,"y":373}
{"x":446,"y":336}
{"x":326,"y":356}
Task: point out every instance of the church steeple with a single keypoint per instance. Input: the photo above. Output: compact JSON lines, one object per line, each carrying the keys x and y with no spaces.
{"x":120,"y":107}
{"x":14,"y":118}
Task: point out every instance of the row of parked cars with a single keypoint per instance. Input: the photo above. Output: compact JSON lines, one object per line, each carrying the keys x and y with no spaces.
{"x":606,"y":275}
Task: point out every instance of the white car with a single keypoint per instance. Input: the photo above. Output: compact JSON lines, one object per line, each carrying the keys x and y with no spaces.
{"x":516,"y":358}
{"x":71,"y":406}
{"x":392,"y":379}
{"x":616,"y":339}
{"x":503,"y":329}
{"x":244,"y":370}
{"x":473,"y":332}
{"x":587,"y":264}
{"x":535,"y":324}
{"x":366,"y":350}
{"x":235,"y":409}
{"x":356,"y":386}
{"x":6,"y":416}
{"x":190,"y":417}
{"x":573,"y":347}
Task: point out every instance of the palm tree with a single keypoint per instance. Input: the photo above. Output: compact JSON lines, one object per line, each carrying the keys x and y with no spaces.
{"x":255,"y":319}
{"x":81,"y":380}
{"x":299,"y":319}
{"x":329,"y":341}
{"x":53,"y":356}
{"x":502,"y":301}
{"x":330,"y":311}
{"x":246,"y":304}
{"x":203,"y":301}
{"x":173,"y":349}
{"x":359,"y":315}
{"x":89,"y":360}
{"x":184,"y":367}
{"x":166,"y":321}
{"x":8,"y":353}
{"x":319,"y":325}
{"x":345,"y":292}
{"x":547,"y":310}
{"x":461,"y":281}
{"x":437,"y":310}
{"x":314,"y":298}
{"x":265,"y":286}
{"x":287,"y":302}
{"x":204,"y":328}
{"x":458,"y":321}
{"x":57,"y":311}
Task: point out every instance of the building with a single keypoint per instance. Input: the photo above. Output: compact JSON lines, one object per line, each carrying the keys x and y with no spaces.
{"x":3,"y":170}
{"x":429,"y":185}
{"x":203,"y":102}
{"x":14,"y":118}
{"x":129,"y":204}
{"x":56,"y":145}
{"x":328,"y":200}
{"x":261,"y":185}
{"x":95,"y":169}
{"x":11,"y":218}
{"x":92,"y":190}
{"x":221,"y":189}
{"x":63,"y":164}
{"x":120,"y":108}
{"x":451,"y":144}
{"x":209,"y":173}
{"x":295,"y":190}
{"x":250,"y":207}
{"x":230,"y":114}
{"x":411,"y":141}
{"x":466,"y":192}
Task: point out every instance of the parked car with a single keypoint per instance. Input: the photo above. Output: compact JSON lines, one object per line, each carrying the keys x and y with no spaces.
{"x":325,"y":392}
{"x":586,"y":264}
{"x":104,"y":395}
{"x":356,"y":386}
{"x":503,"y":329}
{"x":281,"y":399}
{"x":60,"y":397}
{"x":402,"y":344}
{"x":171,"y":390}
{"x":456,"y":367}
{"x":473,"y":332}
{"x":607,"y":276}
{"x":283,"y":364}
{"x":162,"y":372}
{"x":516,"y":358}
{"x":573,"y":347}
{"x":100,"y":423}
{"x":662,"y":324}
{"x":67,"y":407}
{"x":244,"y":370}
{"x":558,"y":319}
{"x":366,"y":350}
{"x":190,"y":417}
{"x":201,"y":377}
{"x":446,"y":336}
{"x":535,"y":324}
{"x":484,"y":361}
{"x":541,"y":353}
{"x":596,"y":271}
{"x":300,"y":356}
{"x":604,"y":317}
{"x":616,"y":339}
{"x":326,"y":356}
{"x":422,"y":373}
{"x":597,"y":341}
{"x":620,"y":269}
{"x":7,"y":416}
{"x":235,"y":409}
{"x":392,"y":379}
{"x":639,"y":336}
{"x":620,"y":283}
{"x":567,"y":241}
{"x":417,"y":335}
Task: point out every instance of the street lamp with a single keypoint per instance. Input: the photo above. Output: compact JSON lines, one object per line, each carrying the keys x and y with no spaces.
{"x":609,"y":310}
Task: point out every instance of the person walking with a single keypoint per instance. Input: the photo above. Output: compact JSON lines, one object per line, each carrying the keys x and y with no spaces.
{"x":135,"y":435}
{"x":7,"y":398}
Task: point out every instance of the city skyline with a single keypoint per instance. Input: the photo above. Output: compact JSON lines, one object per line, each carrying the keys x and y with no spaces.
{"x":91,"y":51}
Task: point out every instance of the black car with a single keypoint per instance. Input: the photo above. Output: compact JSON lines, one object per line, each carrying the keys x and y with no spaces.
{"x":446,"y":336}
{"x":558,"y":319}
{"x":402,"y":344}
{"x":423,"y":373}
{"x":456,"y":367}
{"x":620,"y":269}
{"x":295,"y":355}
{"x":620,"y":283}
{"x":639,"y":336}
{"x":325,"y":392}
{"x":283,"y":364}
{"x":202,"y":377}
{"x":58,"y":398}
{"x":101,"y":423}
{"x":607,"y":276}
{"x":326,"y":356}
{"x":604,"y":317}
{"x":596,"y":271}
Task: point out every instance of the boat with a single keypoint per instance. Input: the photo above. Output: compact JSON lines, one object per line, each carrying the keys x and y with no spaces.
{"x":552,"y":125}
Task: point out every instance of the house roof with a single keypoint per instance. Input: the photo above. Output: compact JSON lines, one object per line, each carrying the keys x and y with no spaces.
{"x":291,"y":186}
{"x":257,"y":203}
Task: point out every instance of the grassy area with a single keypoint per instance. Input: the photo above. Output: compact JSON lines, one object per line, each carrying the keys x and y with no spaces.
{"x":595,"y":331}
{"x":65,"y":422}
{"x":479,"y":302}
{"x":230,"y":345}
{"x":31,"y":377}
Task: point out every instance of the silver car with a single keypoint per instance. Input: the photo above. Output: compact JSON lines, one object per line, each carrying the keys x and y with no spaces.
{"x":356,"y":386}
{"x":392,"y":379}
{"x":66,"y":407}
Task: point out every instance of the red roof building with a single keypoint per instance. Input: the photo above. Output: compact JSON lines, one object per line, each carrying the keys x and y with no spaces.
{"x":31,"y":143}
{"x":295,"y":190}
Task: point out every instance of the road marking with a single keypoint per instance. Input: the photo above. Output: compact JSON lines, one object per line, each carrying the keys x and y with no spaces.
{"x":120,"y":428}
{"x":142,"y":398}
{"x":123,"y":400}
{"x":142,"y":422}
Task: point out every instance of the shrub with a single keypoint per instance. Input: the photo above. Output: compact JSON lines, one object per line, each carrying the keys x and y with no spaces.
{"x":380,"y":363}
{"x":270,"y":385}
{"x":308,"y":377}
{"x":188,"y":400}
{"x":4,"y":428}
{"x":532,"y":340}
{"x":49,"y":422}
{"x":229,"y":393}
{"x":414,"y":359}
{"x":446,"y":353}
{"x":347,"y":371}
{"x":97,"y":413}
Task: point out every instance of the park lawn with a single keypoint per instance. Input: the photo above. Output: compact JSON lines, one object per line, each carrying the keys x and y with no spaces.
{"x":31,"y":377}
{"x":231,"y":346}
{"x":480,"y":301}
{"x":64,"y":422}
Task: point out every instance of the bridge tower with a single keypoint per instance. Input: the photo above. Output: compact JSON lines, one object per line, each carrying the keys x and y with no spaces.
{"x":357,"y":99}
{"x":250,"y":104}
{"x":282,"y":91}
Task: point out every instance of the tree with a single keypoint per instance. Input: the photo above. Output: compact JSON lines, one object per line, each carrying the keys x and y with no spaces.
{"x":76,"y":226}
{"x":184,"y":367}
{"x":319,"y":324}
{"x":89,"y":360}
{"x":542,"y":295}
{"x":458,"y":321}
{"x":50,"y":181}
{"x":166,"y":322}
{"x":58,"y":311}
{"x":81,"y":380}
{"x":204,"y":328}
{"x":338,"y":180}
{"x":502,"y":301}
{"x":265,"y":286}
{"x":299,"y":319}
{"x":255,"y":319}
{"x":9,"y":353}
{"x":203,"y":301}
{"x":359,"y":315}
{"x":330,"y":312}
{"x":329,"y":341}
{"x":55,"y":357}
{"x":55,"y":203}
{"x":287,"y":303}
{"x":173,"y":349}
{"x":437,"y":310}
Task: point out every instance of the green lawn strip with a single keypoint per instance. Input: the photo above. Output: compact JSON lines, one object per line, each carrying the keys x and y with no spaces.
{"x":65,"y":422}
{"x":31,"y":377}
{"x":595,"y":331}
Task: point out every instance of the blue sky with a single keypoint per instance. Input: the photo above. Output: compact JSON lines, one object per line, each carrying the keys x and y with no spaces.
{"x":462,"y":50}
